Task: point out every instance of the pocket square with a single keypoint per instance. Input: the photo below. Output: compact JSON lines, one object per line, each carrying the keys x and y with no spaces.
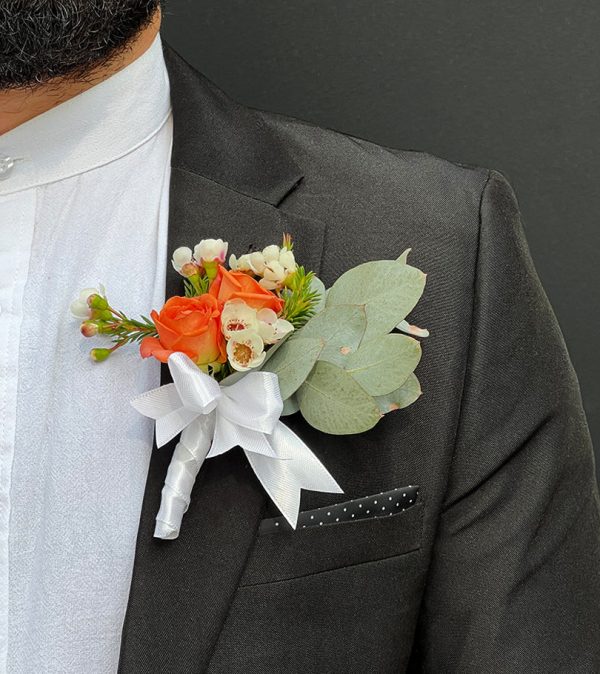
{"x":383,"y":504}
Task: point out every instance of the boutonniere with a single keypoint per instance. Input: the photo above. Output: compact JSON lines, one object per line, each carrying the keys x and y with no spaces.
{"x":249,"y":343}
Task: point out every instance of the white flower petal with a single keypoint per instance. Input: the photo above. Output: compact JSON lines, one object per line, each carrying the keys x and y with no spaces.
{"x":287,"y":260}
{"x":267,"y":315}
{"x":256,"y":262}
{"x":282,"y":328}
{"x":86,"y":293}
{"x":245,"y":350}
{"x":268,"y":285}
{"x":267,"y":332}
{"x":236,"y":317}
{"x":271,"y":253}
{"x":211,"y":249}
{"x":80,"y":310}
{"x":181,"y":257}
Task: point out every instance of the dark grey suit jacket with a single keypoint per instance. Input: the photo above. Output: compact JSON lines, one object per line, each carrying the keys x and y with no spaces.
{"x":497,"y":567}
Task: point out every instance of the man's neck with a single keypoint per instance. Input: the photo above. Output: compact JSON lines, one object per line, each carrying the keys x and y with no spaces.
{"x":20,"y":105}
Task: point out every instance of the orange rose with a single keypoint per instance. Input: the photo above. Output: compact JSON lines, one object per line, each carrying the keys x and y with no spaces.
{"x":230,"y":285}
{"x":190,"y":325}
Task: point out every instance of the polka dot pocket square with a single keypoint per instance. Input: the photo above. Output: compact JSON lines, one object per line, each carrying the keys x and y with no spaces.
{"x":384,"y":504}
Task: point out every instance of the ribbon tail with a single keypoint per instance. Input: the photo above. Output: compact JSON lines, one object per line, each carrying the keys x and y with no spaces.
{"x":294,"y":469}
{"x":165,"y":406}
{"x":188,"y":457}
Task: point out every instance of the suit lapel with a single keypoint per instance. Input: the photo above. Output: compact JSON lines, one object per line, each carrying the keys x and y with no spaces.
{"x":229,"y":174}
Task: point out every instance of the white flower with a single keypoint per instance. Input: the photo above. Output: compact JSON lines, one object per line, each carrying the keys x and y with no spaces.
{"x":257,"y":262}
{"x":209,"y":250}
{"x":237,"y":316}
{"x":241,"y":263}
{"x":287,"y":260}
{"x":245,"y":350}
{"x":271,"y":328}
{"x":79,"y":308}
{"x":182,"y":261}
{"x":274,"y":274}
{"x":271,"y":253}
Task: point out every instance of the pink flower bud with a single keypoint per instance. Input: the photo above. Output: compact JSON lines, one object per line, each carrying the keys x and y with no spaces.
{"x":189,"y":269}
{"x":89,"y":329}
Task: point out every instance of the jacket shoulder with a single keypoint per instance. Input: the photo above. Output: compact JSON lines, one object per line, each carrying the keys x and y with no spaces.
{"x":403,"y":194}
{"x":336,"y":154}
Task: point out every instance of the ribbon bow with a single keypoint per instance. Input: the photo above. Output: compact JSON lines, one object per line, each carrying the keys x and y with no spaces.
{"x":214,"y":418}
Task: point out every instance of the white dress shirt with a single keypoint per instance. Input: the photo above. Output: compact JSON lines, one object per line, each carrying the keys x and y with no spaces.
{"x":85,"y":202}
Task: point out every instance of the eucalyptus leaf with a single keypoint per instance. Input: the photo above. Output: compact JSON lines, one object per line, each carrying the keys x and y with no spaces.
{"x":404,"y":257}
{"x":340,"y":328}
{"x":290,"y":406}
{"x":293,"y":361}
{"x":388,"y":289}
{"x":382,"y":365}
{"x":402,"y":397}
{"x":316,"y":285}
{"x":333,"y":402}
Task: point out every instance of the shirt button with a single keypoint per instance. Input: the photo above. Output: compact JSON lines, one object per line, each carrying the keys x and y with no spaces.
{"x":6,"y":166}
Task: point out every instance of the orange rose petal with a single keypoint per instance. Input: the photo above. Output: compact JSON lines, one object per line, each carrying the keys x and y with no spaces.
{"x":151,"y":346}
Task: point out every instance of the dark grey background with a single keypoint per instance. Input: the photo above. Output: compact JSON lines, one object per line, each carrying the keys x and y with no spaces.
{"x":509,"y":85}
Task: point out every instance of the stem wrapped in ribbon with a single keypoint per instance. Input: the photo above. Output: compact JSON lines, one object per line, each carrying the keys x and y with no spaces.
{"x":214,"y":418}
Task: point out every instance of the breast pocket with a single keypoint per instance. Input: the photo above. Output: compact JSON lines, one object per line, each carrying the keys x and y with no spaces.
{"x":362,"y":530}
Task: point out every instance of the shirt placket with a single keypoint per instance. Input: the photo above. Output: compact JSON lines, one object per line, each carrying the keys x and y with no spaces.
{"x":17,"y":218}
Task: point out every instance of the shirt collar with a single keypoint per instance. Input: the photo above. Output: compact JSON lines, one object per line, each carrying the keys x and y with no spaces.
{"x":91,"y":129}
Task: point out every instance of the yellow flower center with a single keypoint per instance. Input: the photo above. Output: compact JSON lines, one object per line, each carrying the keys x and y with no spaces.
{"x":242,"y":353}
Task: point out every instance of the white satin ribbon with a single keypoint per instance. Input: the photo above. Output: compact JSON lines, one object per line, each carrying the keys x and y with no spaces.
{"x":213,"y":419}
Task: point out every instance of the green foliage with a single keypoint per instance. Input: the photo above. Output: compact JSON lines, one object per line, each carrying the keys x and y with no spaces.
{"x":389,"y":290}
{"x":292,"y":363}
{"x":402,"y":397}
{"x":290,"y":406}
{"x":382,"y":364}
{"x":343,"y":369}
{"x":333,"y":402}
{"x":196,"y":285}
{"x":125,"y":330}
{"x":341,"y":329}
{"x":300,"y":297}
